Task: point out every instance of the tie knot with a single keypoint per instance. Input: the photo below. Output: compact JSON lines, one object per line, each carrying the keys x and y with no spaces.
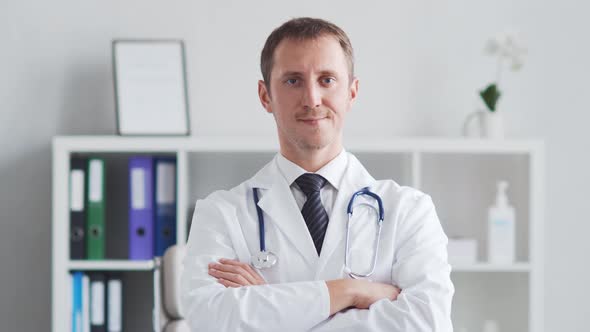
{"x":310,"y":183}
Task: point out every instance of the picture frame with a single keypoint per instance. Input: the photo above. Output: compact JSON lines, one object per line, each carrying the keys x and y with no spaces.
{"x":151,"y":94}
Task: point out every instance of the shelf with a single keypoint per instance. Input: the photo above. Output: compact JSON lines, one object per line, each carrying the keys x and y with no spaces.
{"x":488,"y":267}
{"x":111,"y":265}
{"x":262,"y":144}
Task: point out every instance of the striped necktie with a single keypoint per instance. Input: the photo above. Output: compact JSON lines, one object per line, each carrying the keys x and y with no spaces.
{"x":313,"y":211}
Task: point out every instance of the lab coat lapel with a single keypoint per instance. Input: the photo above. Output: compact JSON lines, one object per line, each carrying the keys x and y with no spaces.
{"x":279,"y":206}
{"x":355,"y":177}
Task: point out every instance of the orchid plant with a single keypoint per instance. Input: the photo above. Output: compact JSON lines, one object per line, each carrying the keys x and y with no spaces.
{"x":508,"y":50}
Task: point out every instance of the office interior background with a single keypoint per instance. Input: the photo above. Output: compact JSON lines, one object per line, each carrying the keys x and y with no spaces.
{"x":420,"y":65}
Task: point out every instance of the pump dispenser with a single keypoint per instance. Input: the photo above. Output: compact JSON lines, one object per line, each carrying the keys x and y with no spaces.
{"x":501,"y":228}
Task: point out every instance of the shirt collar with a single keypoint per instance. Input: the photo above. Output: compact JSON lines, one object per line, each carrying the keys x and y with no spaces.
{"x":332,"y":171}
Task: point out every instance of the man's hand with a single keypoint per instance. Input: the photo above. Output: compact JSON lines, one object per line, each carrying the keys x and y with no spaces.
{"x":360,"y":294}
{"x":371,"y":292}
{"x":232,"y":273}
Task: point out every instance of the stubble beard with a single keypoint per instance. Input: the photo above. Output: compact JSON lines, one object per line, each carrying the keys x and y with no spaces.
{"x":312,"y":145}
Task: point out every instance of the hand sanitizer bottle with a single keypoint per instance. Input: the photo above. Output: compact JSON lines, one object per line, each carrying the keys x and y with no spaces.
{"x":501,"y":228}
{"x":490,"y":326}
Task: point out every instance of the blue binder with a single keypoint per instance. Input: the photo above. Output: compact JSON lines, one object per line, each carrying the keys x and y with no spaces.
{"x":77,"y":301}
{"x":165,"y":204}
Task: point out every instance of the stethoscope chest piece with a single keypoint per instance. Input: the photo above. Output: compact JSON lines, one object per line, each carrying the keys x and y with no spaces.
{"x":264,"y":260}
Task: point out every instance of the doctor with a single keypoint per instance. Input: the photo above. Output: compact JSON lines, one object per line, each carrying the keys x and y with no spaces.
{"x":301,"y":208}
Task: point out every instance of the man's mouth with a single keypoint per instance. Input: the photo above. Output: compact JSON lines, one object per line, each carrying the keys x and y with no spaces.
{"x":311,"y":121}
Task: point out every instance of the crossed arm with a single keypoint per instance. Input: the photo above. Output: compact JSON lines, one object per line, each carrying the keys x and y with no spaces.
{"x":344,"y":293}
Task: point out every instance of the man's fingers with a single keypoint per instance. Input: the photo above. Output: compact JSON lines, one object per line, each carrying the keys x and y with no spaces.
{"x":228,"y":283}
{"x":256,"y":275}
{"x":237,"y":270}
{"x":230,"y":261}
{"x":395,"y":293}
{"x":243,"y":269}
{"x":257,"y":279}
{"x":233,"y":277}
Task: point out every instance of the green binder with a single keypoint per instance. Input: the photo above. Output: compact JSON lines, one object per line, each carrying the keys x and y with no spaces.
{"x":95,"y":220}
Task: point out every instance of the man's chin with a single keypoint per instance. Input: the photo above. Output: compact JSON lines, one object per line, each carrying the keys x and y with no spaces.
{"x":315,"y":144}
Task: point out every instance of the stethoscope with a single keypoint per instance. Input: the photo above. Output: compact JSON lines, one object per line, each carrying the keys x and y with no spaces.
{"x":266,"y":259}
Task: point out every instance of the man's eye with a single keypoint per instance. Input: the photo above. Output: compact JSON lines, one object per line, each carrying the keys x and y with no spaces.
{"x":291,"y":81}
{"x":328,"y":80}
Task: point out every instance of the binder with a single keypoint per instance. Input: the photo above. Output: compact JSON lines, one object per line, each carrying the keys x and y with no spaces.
{"x":70,"y":302}
{"x":97,"y":310}
{"x":95,"y":220}
{"x":117,"y":208}
{"x":165,"y":204}
{"x":76,"y":282}
{"x":141,"y":211}
{"x":85,"y":303}
{"x":77,"y":208}
{"x":115,"y":303}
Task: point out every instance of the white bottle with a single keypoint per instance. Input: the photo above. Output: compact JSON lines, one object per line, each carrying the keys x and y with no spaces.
{"x":490,"y":326}
{"x":501,"y":229}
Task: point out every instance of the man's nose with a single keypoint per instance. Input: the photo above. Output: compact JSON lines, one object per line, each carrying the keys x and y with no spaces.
{"x":312,"y":96}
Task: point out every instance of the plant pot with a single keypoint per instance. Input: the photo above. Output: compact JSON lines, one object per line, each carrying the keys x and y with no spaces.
{"x":488,"y":125}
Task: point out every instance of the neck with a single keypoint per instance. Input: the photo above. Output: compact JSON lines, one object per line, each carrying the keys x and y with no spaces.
{"x":311,"y":159}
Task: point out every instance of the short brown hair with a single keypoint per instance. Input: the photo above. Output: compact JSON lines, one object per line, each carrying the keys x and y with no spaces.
{"x":303,"y":28}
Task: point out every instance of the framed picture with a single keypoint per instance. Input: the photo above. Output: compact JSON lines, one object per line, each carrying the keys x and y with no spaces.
{"x":150,"y":87}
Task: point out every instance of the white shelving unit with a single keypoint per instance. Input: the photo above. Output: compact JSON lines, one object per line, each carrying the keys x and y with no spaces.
{"x":111,"y":265}
{"x":416,"y":158}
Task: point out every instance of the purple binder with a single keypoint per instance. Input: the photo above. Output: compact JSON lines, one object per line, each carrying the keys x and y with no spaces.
{"x":141,"y":210}
{"x":165,"y":205}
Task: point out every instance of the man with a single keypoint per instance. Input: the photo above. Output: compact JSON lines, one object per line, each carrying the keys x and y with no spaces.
{"x":301,"y":197}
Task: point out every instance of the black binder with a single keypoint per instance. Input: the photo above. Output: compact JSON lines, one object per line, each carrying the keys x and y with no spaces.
{"x":78,"y":180}
{"x":98,"y":302}
{"x":114,"y":302}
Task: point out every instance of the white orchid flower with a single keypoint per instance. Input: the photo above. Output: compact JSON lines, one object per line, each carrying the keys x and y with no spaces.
{"x":507,"y":46}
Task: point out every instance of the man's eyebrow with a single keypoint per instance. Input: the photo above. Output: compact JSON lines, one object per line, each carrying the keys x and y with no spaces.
{"x":292,"y":73}
{"x":326,"y":72}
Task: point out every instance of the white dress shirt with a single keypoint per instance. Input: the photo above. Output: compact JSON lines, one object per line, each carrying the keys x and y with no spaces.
{"x":332,"y":172}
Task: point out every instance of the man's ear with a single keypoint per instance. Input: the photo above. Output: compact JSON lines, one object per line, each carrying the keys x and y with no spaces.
{"x":264,"y":96}
{"x":354,"y":89}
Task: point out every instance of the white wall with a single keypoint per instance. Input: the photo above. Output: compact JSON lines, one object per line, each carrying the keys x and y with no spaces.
{"x":419,"y":62}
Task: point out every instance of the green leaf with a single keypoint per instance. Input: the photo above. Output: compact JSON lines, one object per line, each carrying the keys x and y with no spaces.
{"x":490,"y":96}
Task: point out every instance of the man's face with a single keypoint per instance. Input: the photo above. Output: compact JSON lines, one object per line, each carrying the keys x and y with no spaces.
{"x":310,"y":92}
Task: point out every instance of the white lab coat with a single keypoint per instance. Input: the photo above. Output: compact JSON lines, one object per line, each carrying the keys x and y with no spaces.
{"x":412,"y":255}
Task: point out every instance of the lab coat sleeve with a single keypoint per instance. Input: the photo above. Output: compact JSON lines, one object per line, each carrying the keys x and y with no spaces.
{"x":209,"y":306}
{"x":422,"y":272}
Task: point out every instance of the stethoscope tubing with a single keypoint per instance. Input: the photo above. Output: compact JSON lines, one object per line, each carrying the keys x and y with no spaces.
{"x":347,"y":251}
{"x":260,"y":221}
{"x":349,"y":210}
